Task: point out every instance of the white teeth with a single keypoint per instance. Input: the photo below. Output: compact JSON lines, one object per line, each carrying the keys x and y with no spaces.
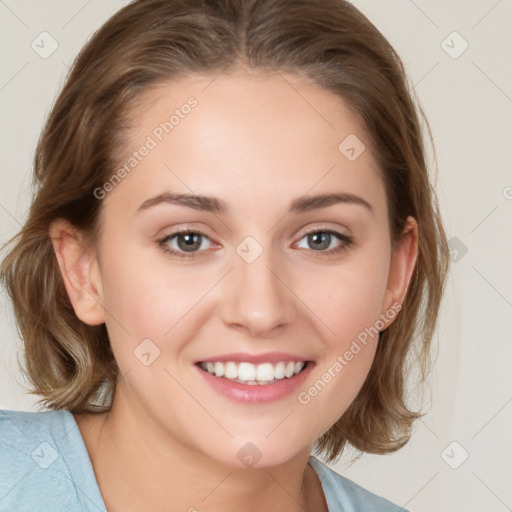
{"x":251,"y":374}
{"x":246,"y":371}
{"x":279,"y":371}
{"x":231,"y":371}
{"x":290,"y":369}
{"x":265,"y":372}
{"x":219,"y":369}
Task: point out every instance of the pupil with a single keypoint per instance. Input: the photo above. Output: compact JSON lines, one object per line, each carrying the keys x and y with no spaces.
{"x":318,"y":241}
{"x":189,"y":241}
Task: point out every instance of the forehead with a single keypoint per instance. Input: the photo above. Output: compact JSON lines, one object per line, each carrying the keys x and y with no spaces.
{"x":246,"y":135}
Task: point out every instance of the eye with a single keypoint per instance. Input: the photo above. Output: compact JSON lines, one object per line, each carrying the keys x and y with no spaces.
{"x":325,"y":241}
{"x":185,"y":243}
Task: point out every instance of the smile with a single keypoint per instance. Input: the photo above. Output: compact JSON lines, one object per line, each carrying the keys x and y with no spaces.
{"x":253,"y":374}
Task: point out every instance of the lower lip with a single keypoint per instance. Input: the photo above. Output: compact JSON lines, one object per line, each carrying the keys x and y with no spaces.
{"x":265,"y":393}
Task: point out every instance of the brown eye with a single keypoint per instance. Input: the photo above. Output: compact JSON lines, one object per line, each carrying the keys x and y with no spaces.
{"x":189,"y":242}
{"x":185,"y":243}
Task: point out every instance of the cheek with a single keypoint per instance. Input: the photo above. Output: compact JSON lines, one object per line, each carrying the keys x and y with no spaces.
{"x":347,"y":301}
{"x":150,"y":298}
{"x":348,"y":298}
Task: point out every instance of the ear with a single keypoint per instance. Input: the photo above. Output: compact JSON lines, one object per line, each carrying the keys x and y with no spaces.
{"x":403,"y":261}
{"x":80,"y":271}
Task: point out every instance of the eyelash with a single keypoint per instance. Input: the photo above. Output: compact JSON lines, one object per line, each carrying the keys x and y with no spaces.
{"x":345,"y":243}
{"x":179,"y":254}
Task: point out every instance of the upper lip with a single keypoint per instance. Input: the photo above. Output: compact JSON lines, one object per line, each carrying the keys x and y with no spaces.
{"x":270,"y":357}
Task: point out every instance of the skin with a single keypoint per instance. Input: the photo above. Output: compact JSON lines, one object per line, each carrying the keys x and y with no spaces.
{"x":170,"y":442}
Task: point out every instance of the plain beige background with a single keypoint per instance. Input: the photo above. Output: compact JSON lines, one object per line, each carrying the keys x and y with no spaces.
{"x":456,"y":56}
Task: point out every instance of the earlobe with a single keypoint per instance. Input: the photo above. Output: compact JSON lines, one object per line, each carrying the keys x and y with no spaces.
{"x":79,"y":270}
{"x":403,"y":262}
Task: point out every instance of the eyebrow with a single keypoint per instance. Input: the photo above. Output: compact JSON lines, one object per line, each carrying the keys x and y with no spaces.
{"x":307,"y":203}
{"x":214,"y":205}
{"x":196,"y":202}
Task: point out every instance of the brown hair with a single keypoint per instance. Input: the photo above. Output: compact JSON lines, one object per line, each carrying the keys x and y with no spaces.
{"x":150,"y":42}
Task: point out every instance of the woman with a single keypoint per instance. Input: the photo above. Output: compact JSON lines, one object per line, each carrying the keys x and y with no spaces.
{"x":232,"y":245}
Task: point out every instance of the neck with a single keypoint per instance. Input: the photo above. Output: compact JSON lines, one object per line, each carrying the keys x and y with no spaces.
{"x":139,"y":466}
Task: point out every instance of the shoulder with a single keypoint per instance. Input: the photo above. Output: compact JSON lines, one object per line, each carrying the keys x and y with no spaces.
{"x":24,"y":436}
{"x":345,"y":495}
{"x":14,"y":424}
{"x":41,"y":456}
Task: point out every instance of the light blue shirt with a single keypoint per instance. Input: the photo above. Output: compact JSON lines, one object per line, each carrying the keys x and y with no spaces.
{"x":45,"y":467}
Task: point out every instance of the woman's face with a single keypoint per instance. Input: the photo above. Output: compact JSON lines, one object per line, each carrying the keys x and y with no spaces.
{"x":250,"y":238}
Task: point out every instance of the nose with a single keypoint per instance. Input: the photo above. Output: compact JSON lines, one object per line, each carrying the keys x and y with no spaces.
{"x":257,"y":298}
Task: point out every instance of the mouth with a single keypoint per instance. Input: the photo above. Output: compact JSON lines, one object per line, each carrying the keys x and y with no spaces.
{"x":250,"y":374}
{"x":255,"y":379}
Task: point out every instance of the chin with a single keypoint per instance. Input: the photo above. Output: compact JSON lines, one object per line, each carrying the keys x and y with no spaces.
{"x":258,"y":451}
